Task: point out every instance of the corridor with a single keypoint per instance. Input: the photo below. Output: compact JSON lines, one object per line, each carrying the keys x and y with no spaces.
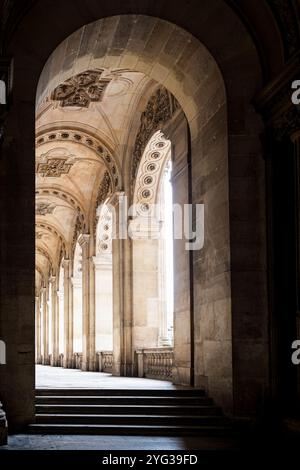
{"x":57,"y":377}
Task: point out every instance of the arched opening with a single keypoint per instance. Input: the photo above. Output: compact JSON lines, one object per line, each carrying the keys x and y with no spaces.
{"x":93,"y":127}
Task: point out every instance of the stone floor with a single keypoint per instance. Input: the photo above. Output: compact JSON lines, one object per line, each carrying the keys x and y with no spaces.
{"x":57,"y":377}
{"x":57,"y":442}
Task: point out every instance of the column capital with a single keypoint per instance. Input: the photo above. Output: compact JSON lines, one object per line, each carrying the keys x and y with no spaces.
{"x":66,"y":263}
{"x":84,"y":239}
{"x":52,"y":279}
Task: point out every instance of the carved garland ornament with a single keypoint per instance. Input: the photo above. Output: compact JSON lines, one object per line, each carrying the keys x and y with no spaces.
{"x":160,"y":108}
{"x":81,"y":90}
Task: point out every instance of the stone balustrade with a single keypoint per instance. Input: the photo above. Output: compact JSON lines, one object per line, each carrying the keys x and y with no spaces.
{"x":77,"y":360}
{"x":105,"y":361}
{"x":155,"y":363}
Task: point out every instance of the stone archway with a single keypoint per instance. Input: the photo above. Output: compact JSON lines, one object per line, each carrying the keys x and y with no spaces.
{"x":198,"y":89}
{"x":243,"y":276}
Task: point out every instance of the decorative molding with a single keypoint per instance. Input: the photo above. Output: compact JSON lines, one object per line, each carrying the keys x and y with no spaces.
{"x":44,"y":253}
{"x":81,"y":90}
{"x":89,"y":141}
{"x":105,"y":189}
{"x":78,"y":229}
{"x":54,"y":163}
{"x":104,"y":231}
{"x":160,"y":108}
{"x":51,"y":229}
{"x":64,"y":196}
{"x":152,"y":164}
{"x":44,"y":208}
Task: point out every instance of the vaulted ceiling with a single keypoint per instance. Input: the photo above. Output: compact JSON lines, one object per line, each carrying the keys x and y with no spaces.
{"x":81,"y":133}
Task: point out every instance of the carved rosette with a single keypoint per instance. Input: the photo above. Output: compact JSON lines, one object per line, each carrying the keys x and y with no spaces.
{"x":149,"y":173}
{"x":160,"y":109}
{"x":81,"y":90}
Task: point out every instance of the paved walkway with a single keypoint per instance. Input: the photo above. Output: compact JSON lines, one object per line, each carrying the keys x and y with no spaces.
{"x":57,"y":442}
{"x":57,"y":377}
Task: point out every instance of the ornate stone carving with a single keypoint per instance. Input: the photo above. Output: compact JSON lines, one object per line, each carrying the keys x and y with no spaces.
{"x":104,"y":232}
{"x":39,"y":235}
{"x":160,"y":108}
{"x":78,"y":229}
{"x":43,"y":208}
{"x":81,"y":89}
{"x":54,"y":167}
{"x":88,"y":141}
{"x":105,"y":189}
{"x":149,"y":172}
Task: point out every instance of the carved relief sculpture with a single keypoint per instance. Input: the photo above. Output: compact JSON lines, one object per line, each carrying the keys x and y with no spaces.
{"x":160,"y":108}
{"x":81,"y":89}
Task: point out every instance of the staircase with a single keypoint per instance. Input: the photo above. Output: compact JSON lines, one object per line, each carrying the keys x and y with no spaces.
{"x":179,"y":412}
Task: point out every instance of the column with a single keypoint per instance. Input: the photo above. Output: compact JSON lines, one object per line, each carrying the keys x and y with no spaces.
{"x":54,"y":313}
{"x":147,"y":299}
{"x":88,"y":306}
{"x":38,"y":329}
{"x":123,"y":363}
{"x":104,"y":309}
{"x":45,"y":326}
{"x":68,"y":329}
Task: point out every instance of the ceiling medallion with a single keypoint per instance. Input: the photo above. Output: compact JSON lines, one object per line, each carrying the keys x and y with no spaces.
{"x":81,"y":89}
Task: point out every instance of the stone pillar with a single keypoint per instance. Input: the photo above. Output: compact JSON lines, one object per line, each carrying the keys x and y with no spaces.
{"x":88,"y":305}
{"x":54,"y":313}
{"x":123,"y":362}
{"x":92,"y":315}
{"x":103,"y":307}
{"x":68,"y":339}
{"x":77,"y":313}
{"x":3,"y":427}
{"x":147,"y":308}
{"x":38,"y":329}
{"x":45,"y":326}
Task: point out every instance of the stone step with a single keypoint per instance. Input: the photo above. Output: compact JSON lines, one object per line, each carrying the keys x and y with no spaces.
{"x":186,"y":391}
{"x":121,"y":419}
{"x":136,"y":430}
{"x":200,"y":410}
{"x":122,"y":400}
